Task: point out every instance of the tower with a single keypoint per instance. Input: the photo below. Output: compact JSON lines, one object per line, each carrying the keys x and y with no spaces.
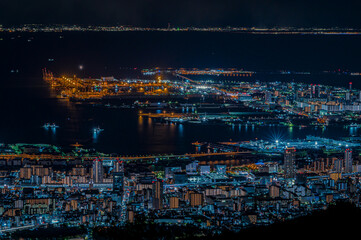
{"x":98,"y":171}
{"x":118,"y":166}
{"x":289,"y":162}
{"x":157,"y":194}
{"x":348,"y":160}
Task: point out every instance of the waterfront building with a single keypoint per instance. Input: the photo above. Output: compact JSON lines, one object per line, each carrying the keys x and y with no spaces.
{"x":332,"y":107}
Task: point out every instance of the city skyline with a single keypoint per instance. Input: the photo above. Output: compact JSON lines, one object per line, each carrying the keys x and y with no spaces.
{"x":204,"y":119}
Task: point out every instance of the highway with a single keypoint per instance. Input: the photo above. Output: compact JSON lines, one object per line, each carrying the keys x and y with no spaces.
{"x":122,"y":158}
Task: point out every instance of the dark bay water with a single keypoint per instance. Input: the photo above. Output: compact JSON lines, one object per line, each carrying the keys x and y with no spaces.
{"x":26,"y":102}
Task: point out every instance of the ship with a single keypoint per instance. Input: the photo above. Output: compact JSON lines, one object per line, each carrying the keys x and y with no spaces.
{"x":50,"y":125}
{"x":354,"y":125}
{"x":76,"y":145}
{"x":97,"y":130}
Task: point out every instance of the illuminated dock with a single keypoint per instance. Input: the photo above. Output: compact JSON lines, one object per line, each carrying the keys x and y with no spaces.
{"x":91,"y":88}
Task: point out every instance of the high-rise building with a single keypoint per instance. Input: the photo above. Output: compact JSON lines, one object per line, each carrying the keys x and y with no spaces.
{"x":118,"y":176}
{"x":98,"y":171}
{"x":312,"y":90}
{"x":39,"y":170}
{"x":268,"y":97}
{"x":348,"y":160}
{"x":78,"y":171}
{"x":192,"y":167}
{"x":274,"y":191}
{"x":196,"y":199}
{"x":348,"y":96}
{"x":290,"y":162}
{"x":25,"y":173}
{"x":157,"y":194}
{"x":338,"y":165}
{"x":73,"y":204}
{"x":315,"y":91}
{"x":130,"y":215}
{"x":118,"y":182}
{"x":118,"y":166}
{"x":174,"y":202}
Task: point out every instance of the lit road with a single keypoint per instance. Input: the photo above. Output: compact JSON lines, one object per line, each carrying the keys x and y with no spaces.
{"x":125,"y":199}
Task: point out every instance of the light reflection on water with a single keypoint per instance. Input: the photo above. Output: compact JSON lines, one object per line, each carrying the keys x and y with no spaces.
{"x":126,"y":132}
{"x":27,"y":103}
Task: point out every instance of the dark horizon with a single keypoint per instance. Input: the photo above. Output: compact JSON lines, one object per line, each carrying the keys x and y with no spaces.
{"x":201,"y":13}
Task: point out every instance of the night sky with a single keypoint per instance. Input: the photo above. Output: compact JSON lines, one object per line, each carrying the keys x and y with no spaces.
{"x":158,"y":13}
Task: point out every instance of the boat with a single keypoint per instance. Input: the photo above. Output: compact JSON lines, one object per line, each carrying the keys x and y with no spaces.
{"x":195,"y":121}
{"x":50,"y":125}
{"x":76,"y":145}
{"x":98,"y":130}
{"x":198,"y":144}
